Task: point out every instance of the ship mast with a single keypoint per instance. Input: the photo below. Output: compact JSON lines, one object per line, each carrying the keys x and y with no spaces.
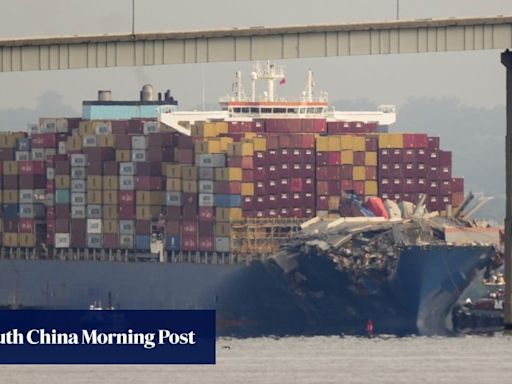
{"x":271,"y":73}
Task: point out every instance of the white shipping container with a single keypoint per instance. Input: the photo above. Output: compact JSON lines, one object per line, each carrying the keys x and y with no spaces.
{"x":89,"y":141}
{"x":62,"y":125}
{"x":62,"y":240}
{"x":94,"y":226}
{"x":151,"y":127}
{"x":139,"y":155}
{"x":63,"y":149}
{"x":50,"y":173}
{"x":22,"y":155}
{"x":222,"y":244}
{"x":78,"y":185}
{"x":78,"y":160}
{"x":139,"y":142}
{"x":127,"y":169}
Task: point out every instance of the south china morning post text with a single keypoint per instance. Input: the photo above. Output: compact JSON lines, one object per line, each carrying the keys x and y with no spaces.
{"x":107,"y":337}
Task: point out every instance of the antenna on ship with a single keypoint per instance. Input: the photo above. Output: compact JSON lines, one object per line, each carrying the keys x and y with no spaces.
{"x":239,"y":87}
{"x":308,"y":93}
{"x":271,"y":73}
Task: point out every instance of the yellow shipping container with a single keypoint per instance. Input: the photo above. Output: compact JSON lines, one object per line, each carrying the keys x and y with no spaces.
{"x":172,"y":171}
{"x":8,"y":140}
{"x":243,"y":148}
{"x":260,"y":144}
{"x":334,"y":143}
{"x":10,"y":239}
{"x":396,"y":140}
{"x":106,"y":140}
{"x":110,"y":212}
{"x":189,"y":173}
{"x":234,"y":174}
{"x":204,"y":130}
{"x":27,"y":240}
{"x":94,"y":197}
{"x":333,"y":203}
{"x":247,"y":189}
{"x":10,"y":168}
{"x":173,"y":185}
{"x":228,"y":214}
{"x":62,"y":181}
{"x":74,"y":144}
{"x":86,"y":128}
{"x":123,"y":155}
{"x":370,"y":188}
{"x":358,"y":173}
{"x":110,"y":197}
{"x":322,"y":143}
{"x":10,"y":196}
{"x":222,"y":229}
{"x":149,"y":198}
{"x":347,"y":142}
{"x":224,"y":143}
{"x":221,"y":127}
{"x":370,"y":158}
{"x":142,"y":212}
{"x":384,"y":140}
{"x":110,"y":226}
{"x":94,"y":182}
{"x":347,"y":157}
{"x":358,"y":143}
{"x":190,"y":186}
{"x":111,"y":182}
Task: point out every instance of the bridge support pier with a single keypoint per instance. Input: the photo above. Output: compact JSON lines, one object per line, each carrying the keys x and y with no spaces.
{"x":506,"y":60}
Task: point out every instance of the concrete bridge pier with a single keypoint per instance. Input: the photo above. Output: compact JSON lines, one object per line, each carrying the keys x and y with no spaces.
{"x":506,"y":60}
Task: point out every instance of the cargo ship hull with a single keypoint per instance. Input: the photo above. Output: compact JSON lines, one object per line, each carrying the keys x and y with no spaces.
{"x":260,"y":298}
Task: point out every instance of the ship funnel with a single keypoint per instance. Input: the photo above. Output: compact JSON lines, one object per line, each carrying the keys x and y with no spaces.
{"x":104,"y":95}
{"x":147,"y":93}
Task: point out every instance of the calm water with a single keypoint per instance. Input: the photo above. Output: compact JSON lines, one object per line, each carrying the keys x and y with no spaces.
{"x":470,"y":359}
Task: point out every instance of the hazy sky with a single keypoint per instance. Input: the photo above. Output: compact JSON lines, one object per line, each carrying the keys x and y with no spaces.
{"x":477,"y":79}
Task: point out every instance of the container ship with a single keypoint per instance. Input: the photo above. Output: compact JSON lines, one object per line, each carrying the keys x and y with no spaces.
{"x":138,"y":205}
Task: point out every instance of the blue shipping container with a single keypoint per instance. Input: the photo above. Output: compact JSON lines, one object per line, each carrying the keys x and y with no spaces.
{"x":62,"y":196}
{"x":142,"y":242}
{"x":228,"y":201}
{"x":172,"y":243}
{"x":10,"y":211}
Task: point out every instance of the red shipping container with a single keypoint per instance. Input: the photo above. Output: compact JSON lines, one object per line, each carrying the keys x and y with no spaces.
{"x":457,"y":198}
{"x":396,"y":170}
{"x":359,"y":157}
{"x":44,"y":140}
{"x":206,"y":213}
{"x":62,"y":211}
{"x":206,"y":228}
{"x":10,"y":181}
{"x":190,"y":212}
{"x":11,"y":225}
{"x":457,"y":184}
{"x":322,"y":203}
{"x":319,"y":126}
{"x":308,"y":200}
{"x":149,"y":183}
{"x":173,"y":227}
{"x":126,"y":197}
{"x":25,"y":226}
{"x":409,"y":155}
{"x":384,"y":155}
{"x":346,"y":172}
{"x":333,"y":187}
{"x":322,"y":187}
{"x":110,"y":241}
{"x":307,"y":141}
{"x":61,"y":225}
{"x":6,"y":154}
{"x":260,"y":174}
{"x":95,"y":167}
{"x":247,"y":203}
{"x":260,"y":188}
{"x":142,"y":227}
{"x":322,"y":158}
{"x":433,"y":143}
{"x":422,"y":155}
{"x":126,"y":212}
{"x":308,"y":125}
{"x":370,"y":173}
{"x":160,"y":139}
{"x":119,"y":127}
{"x":445,"y":158}
{"x":346,"y":185}
{"x":445,"y":187}
{"x":189,"y":227}
{"x":272,"y":157}
{"x":322,"y":173}
{"x":110,"y":168}
{"x":123,"y":142}
{"x":396,"y":185}
{"x":334,"y":158}
{"x":409,"y":185}
{"x":385,"y":186}
{"x":183,"y":156}
{"x":371,"y":143}
{"x":421,"y":185}
{"x":234,"y":126}
{"x":206,"y":243}
{"x":247,"y":175}
{"x":260,"y":202}
{"x":445,"y":172}
{"x":62,"y":167}
{"x":32,"y":182}
{"x":159,"y":154}
{"x":271,"y":186}
{"x":297,"y":212}
{"x":31,"y":168}
{"x":100,"y":153}
{"x":433,"y":172}
{"x":358,"y":187}
{"x":50,"y":212}
{"x":50,"y":186}
{"x":297,"y":171}
{"x":284,"y":141}
{"x":396,"y":155}
{"x":189,"y":242}
{"x":146,"y":168}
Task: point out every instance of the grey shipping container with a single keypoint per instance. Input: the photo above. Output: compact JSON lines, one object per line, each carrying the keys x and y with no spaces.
{"x":205,"y":186}
{"x":26,"y":211}
{"x":50,"y":199}
{"x":37,"y":154}
{"x":50,"y":173}
{"x":22,"y":155}
{"x":126,"y":227}
{"x":173,"y":199}
{"x":126,"y":241}
{"x":78,"y":185}
{"x":89,"y":141}
{"x":26,"y":196}
{"x":78,"y":160}
{"x":94,"y":241}
{"x":78,"y":211}
{"x":77,"y":172}
{"x":127,"y":169}
{"x":77,"y":198}
{"x":94,"y":211}
{"x":213,"y":160}
{"x":139,"y":142}
{"x":126,"y":183}
{"x":49,"y":152}
{"x":139,"y":155}
{"x":206,"y":173}
{"x":206,"y":200}
{"x":222,"y":244}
